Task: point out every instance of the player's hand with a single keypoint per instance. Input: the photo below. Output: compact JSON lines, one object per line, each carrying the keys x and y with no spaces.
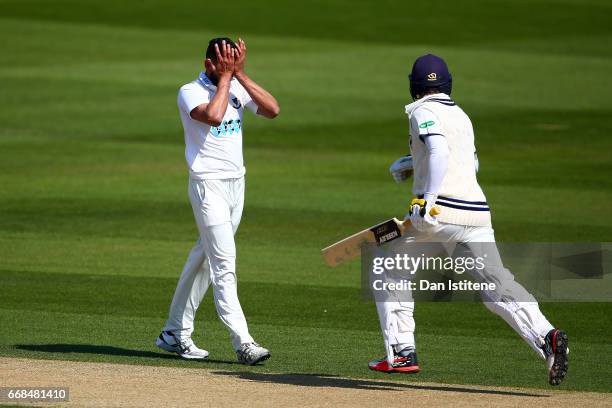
{"x":226,"y":60}
{"x":419,"y":215}
{"x":240,"y":57}
{"x":401,"y":169}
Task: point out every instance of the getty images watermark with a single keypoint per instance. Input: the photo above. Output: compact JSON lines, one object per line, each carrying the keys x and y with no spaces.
{"x":475,"y":271}
{"x":407,"y":265}
{"x":19,"y":395}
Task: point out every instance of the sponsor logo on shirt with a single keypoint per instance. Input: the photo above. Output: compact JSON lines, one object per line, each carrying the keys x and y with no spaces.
{"x":227,"y":128}
{"x":236,"y":103}
{"x":425,"y":125}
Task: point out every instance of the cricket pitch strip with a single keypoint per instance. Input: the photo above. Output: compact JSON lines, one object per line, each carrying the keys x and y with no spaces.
{"x":121,"y":385}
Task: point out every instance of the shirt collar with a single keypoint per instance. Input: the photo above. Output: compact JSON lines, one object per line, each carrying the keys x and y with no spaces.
{"x":412,"y":107}
{"x":206,"y":82}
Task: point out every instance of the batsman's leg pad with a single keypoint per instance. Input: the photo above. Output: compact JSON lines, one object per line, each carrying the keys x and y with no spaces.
{"x":526,"y":319}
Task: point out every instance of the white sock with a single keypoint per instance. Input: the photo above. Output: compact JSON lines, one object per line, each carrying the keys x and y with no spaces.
{"x":400,"y":347}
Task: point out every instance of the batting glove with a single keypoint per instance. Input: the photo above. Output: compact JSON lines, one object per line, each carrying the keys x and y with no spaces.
{"x":419,"y":215}
{"x":401,"y":169}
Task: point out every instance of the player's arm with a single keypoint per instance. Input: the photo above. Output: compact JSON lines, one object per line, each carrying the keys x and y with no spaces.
{"x":437,"y":158}
{"x":430,"y":132}
{"x":212,"y":113}
{"x":267,"y":105}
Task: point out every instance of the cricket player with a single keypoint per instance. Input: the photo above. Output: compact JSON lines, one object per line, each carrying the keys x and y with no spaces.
{"x":445,"y":167}
{"x":211,"y":109}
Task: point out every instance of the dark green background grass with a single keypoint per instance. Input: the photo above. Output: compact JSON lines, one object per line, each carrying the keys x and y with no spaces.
{"x":94,"y":218}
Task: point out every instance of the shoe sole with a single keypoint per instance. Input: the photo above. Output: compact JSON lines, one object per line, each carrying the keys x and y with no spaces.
{"x":558,"y":371}
{"x":259,"y":360}
{"x":410,"y":369}
{"x":188,"y":357}
{"x":166,"y":347}
{"x":380,"y":371}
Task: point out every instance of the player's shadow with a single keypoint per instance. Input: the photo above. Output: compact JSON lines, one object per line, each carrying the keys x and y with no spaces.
{"x":309,"y":380}
{"x":323,"y":380}
{"x":106,"y":350}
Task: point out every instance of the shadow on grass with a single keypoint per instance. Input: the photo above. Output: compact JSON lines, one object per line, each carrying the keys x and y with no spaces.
{"x":320,"y":380}
{"x":105,"y":350}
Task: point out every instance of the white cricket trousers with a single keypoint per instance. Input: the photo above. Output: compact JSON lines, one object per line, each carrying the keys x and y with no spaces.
{"x":510,"y":300}
{"x":217,"y":207}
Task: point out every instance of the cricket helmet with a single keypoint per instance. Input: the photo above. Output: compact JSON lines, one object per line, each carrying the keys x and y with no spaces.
{"x":429,"y":71}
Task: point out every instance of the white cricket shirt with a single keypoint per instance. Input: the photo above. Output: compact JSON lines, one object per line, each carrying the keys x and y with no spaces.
{"x":214,"y":152}
{"x":460,"y":198}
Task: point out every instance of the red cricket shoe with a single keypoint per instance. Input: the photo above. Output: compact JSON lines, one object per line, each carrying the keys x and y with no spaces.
{"x":405,"y":362}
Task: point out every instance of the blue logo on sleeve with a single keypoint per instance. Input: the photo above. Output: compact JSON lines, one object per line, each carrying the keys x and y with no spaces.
{"x":227,"y":128}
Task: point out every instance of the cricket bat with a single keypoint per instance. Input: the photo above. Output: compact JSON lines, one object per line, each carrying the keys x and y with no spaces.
{"x":378,"y":234}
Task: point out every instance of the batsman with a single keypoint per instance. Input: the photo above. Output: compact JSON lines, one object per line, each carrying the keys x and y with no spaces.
{"x":444,"y":166}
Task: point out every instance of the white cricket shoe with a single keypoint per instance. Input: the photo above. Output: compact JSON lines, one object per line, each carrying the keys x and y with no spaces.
{"x":252,"y":353}
{"x":185,"y":348}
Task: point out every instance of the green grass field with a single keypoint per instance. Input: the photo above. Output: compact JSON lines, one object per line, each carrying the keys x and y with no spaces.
{"x":95,"y":222}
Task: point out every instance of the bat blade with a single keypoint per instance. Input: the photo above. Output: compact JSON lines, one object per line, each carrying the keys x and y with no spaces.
{"x":350,"y":247}
{"x":379,"y":234}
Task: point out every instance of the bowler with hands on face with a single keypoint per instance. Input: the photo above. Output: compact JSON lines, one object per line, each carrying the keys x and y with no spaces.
{"x":211,"y":109}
